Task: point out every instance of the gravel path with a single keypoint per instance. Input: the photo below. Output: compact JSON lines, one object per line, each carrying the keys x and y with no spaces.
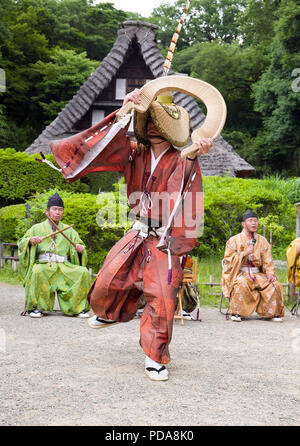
{"x":58,"y":371}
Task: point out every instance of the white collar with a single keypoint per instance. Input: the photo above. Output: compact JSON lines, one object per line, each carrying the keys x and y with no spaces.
{"x":155,"y":161}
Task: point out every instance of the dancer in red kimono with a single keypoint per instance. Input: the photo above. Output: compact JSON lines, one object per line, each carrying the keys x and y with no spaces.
{"x":165,"y":195}
{"x":147,"y":259}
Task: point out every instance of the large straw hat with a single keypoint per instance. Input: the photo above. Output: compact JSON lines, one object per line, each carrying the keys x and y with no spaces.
{"x":172,"y":121}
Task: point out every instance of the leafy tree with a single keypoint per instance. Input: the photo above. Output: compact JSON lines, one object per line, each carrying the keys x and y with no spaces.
{"x":257,"y":22}
{"x":60,"y":79}
{"x":21,"y":45}
{"x":278,"y":144}
{"x":84,"y":26}
{"x":231,"y":70}
{"x":72,"y":24}
{"x":12,"y":134}
{"x":184,"y":59}
{"x":6,"y":10}
{"x":30,"y":32}
{"x":101,"y":29}
{"x":27,"y":46}
{"x":206,"y":21}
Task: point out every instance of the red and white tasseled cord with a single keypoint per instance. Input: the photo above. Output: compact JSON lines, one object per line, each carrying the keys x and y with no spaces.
{"x":168,"y":61}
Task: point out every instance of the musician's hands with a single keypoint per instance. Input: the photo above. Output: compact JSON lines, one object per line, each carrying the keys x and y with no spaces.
{"x":35,"y":240}
{"x":204,"y":145}
{"x":79,"y":248}
{"x":134,"y":96}
{"x":249,"y":250}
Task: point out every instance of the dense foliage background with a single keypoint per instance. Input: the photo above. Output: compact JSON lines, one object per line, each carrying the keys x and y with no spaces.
{"x":248,"y":49}
{"x":225,"y":201}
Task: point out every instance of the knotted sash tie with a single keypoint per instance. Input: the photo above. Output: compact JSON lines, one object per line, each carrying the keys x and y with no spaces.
{"x":146,"y":202}
{"x":144,"y":231}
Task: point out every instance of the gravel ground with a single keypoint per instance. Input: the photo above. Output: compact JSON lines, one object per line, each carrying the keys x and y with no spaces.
{"x":57,"y":371}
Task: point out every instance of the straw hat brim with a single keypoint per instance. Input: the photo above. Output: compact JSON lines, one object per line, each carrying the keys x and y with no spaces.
{"x":171,"y":121}
{"x":209,"y":95}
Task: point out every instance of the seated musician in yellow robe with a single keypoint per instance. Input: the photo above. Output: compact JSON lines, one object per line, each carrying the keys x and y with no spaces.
{"x":54,"y":265}
{"x":249,"y":278}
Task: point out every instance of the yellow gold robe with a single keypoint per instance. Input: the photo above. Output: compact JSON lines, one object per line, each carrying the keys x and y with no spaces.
{"x":247,"y":290}
{"x":293,"y":269}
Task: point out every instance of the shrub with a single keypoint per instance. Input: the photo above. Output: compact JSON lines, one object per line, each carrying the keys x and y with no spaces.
{"x":9,"y":219}
{"x":225,"y":198}
{"x":290,"y":187}
{"x":21,"y":176}
{"x":294,"y":191}
{"x":101,"y":181}
{"x":225,"y":201}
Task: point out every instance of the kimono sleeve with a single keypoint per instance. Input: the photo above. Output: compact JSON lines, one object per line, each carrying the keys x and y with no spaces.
{"x":75,"y":257}
{"x":103,"y":147}
{"x":27,"y":254}
{"x":231,"y":266}
{"x":266,"y":255}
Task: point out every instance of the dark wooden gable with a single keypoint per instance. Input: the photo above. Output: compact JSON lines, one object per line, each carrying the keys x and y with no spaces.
{"x":136,"y":73}
{"x":134,"y":67}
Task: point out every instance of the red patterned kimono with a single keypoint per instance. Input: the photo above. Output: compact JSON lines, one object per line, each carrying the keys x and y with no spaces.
{"x":147,"y":261}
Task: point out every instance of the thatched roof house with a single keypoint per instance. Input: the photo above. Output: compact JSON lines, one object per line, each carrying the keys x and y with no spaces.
{"x":133,"y":60}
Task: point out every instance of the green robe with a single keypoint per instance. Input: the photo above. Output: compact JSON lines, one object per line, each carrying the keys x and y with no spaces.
{"x":70,"y":279}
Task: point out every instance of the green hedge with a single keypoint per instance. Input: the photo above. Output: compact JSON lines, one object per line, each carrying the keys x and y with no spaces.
{"x":10,"y":217}
{"x":101,"y":181}
{"x":226,"y":199}
{"x":21,"y":176}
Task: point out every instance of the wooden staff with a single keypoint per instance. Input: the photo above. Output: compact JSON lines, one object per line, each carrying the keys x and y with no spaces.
{"x":168,"y":61}
{"x":55,"y":226}
{"x":56,"y":232}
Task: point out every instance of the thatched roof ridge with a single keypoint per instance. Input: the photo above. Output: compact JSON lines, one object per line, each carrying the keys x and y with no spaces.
{"x":223,"y":160}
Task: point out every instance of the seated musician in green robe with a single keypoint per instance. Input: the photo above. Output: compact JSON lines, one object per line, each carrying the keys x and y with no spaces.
{"x":54,"y":264}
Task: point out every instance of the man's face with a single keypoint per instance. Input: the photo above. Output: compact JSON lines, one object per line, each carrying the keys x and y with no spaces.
{"x":153,"y":135}
{"x":251,"y":224}
{"x":55,"y":213}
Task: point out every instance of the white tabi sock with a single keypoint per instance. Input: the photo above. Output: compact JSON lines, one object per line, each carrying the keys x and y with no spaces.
{"x":150,"y":363}
{"x":155,"y":370}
